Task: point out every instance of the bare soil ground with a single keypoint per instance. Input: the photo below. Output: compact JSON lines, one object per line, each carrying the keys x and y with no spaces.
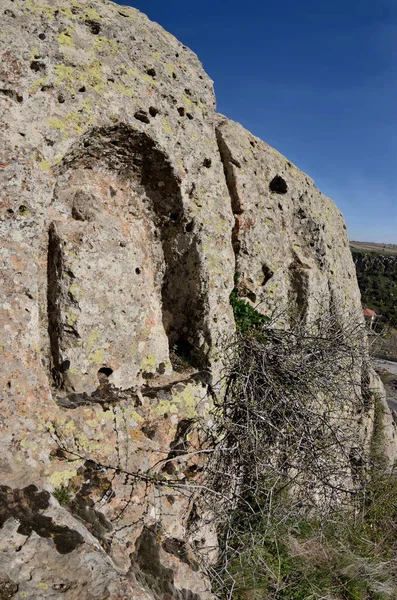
{"x":375,"y":247}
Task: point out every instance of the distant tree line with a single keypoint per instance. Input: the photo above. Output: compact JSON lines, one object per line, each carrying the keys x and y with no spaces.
{"x":377,"y":279}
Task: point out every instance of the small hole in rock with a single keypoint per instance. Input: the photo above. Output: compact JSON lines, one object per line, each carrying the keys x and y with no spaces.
{"x":19,"y":99}
{"x":138,"y":271}
{"x":82,"y":89}
{"x":86,"y":144}
{"x":10,"y":211}
{"x":189,"y":227}
{"x":153,"y":111}
{"x":151,"y":72}
{"x":141,"y":115}
{"x":37,"y":66}
{"x":189,"y":116}
{"x":173,"y":75}
{"x":93,"y":26}
{"x":107,"y":371}
{"x":181,"y":111}
{"x":65,"y":366}
{"x":278,"y":185}
{"x":42,"y":36}
{"x":61,"y":98}
{"x":207,"y":163}
{"x":8,"y":384}
{"x":149,"y":432}
{"x":161,"y":368}
{"x":112,"y":192}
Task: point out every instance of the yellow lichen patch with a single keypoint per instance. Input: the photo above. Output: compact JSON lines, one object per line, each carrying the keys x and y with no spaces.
{"x":36,"y":7}
{"x":187,"y":401}
{"x":76,"y":291}
{"x":149,"y":80}
{"x":91,"y":340}
{"x":86,"y":74}
{"x":170,"y":68}
{"x":27,"y":444}
{"x":104,"y":44}
{"x":70,"y":123}
{"x":131,"y":415}
{"x":98,"y":356}
{"x":24,"y":212}
{"x":71,"y":318}
{"x":70,"y":428}
{"x":58,"y":123}
{"x":65,"y":75}
{"x":83,"y":442}
{"x":91,"y":13}
{"x":163,"y":407}
{"x":37,"y":84}
{"x":149,"y":363}
{"x":59,"y":478}
{"x":167,"y":127}
{"x":65,"y":38}
{"x":45,"y":165}
{"x":123,"y":90}
{"x":186,"y":101}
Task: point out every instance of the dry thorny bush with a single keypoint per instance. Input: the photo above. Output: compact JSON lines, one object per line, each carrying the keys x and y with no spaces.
{"x":282,"y":443}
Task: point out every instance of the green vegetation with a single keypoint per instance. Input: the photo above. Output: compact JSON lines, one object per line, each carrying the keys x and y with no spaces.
{"x":377,"y":279}
{"x":246,"y":317}
{"x":62,"y":494}
{"x":351,"y":557}
{"x":313,"y":510}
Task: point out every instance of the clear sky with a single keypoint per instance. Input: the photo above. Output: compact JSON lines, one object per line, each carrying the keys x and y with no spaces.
{"x":316,"y":79}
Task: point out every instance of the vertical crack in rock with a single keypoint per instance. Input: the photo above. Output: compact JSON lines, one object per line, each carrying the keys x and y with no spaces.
{"x":229,"y":164}
{"x":54,"y":272}
{"x":299,"y":291}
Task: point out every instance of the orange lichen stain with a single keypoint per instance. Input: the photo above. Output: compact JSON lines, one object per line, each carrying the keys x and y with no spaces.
{"x":17,"y":262}
{"x":125,"y":228}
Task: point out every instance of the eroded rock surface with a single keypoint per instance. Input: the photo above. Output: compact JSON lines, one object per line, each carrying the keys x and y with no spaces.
{"x":127,"y":208}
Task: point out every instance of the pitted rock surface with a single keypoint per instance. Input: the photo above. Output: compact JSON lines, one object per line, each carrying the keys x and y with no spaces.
{"x":127,"y":207}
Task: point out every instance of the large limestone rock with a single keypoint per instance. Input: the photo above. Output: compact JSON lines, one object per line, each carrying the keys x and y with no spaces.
{"x":127,"y":207}
{"x":290,"y":241}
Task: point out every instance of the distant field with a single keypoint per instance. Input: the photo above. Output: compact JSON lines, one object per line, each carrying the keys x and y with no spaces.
{"x":373,"y":247}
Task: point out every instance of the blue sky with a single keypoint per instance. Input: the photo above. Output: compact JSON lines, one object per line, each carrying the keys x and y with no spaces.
{"x":316,"y":79}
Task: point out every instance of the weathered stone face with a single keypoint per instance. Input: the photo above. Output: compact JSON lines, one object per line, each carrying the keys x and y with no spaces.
{"x":291,"y":244}
{"x":127,"y":207}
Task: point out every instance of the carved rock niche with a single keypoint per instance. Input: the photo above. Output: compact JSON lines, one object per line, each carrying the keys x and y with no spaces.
{"x":118,"y":261}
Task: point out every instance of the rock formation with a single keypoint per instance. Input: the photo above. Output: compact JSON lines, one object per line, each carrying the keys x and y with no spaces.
{"x":127,"y":207}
